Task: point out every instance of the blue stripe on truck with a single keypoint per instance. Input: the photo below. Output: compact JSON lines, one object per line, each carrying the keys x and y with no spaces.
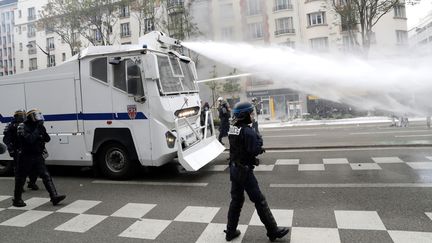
{"x":84,"y":116}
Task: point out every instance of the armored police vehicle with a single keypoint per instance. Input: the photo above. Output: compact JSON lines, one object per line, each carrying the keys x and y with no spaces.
{"x":116,"y":107}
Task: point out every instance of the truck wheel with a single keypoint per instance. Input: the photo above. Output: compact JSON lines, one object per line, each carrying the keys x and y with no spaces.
{"x":114,"y":162}
{"x":5,"y":167}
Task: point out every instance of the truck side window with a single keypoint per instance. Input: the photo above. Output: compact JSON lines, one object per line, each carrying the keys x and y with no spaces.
{"x":119,"y":76}
{"x":98,"y":69}
{"x":134,"y":80}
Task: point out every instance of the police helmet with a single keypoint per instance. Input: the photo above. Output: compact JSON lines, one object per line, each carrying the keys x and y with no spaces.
{"x":220,"y":99}
{"x":35,"y":115}
{"x":242,"y":111}
{"x":19,"y":115}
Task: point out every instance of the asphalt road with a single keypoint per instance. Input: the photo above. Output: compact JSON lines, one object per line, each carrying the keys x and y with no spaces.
{"x":324,"y":195}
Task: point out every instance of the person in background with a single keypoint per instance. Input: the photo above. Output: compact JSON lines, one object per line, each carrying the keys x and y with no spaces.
{"x":204,"y":109}
{"x":224,"y":115}
{"x":256,"y":112}
{"x":245,"y":146}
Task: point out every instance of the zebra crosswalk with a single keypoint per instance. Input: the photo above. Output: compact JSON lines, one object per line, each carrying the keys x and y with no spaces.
{"x":303,"y":165}
{"x":151,"y":228}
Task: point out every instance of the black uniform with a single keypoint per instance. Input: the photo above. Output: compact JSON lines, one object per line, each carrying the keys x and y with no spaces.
{"x":32,"y":137}
{"x":11,"y":140}
{"x":224,"y":115}
{"x":245,"y":145}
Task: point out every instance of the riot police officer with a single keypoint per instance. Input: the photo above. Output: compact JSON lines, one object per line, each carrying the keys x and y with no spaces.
{"x":32,"y":137}
{"x":245,"y":145}
{"x":11,"y":141}
{"x":224,"y":114}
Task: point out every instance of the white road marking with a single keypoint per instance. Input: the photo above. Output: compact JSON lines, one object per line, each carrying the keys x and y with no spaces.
{"x":214,"y":233}
{"x":264,"y":168}
{"x":312,"y":235}
{"x":353,"y":185}
{"x":410,"y":236}
{"x":150,"y":183}
{"x":148,"y":229}
{"x":216,"y":168}
{"x":79,"y":206}
{"x":283,"y":217}
{"x":133,"y":210}
{"x":420,"y":165}
{"x":311,"y":167}
{"x":26,"y":218}
{"x":197,"y":214}
{"x":33,"y":203}
{"x":387,"y":160}
{"x":365,"y":166}
{"x":358,"y":220}
{"x":81,"y":223}
{"x":335,"y":161}
{"x":2,"y":198}
{"x":287,"y":162}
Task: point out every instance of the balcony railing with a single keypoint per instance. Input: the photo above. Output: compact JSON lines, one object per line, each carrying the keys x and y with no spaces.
{"x":31,"y":17}
{"x":284,"y":31}
{"x":282,"y":7}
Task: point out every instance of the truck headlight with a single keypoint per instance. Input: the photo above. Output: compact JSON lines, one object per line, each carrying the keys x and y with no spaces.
{"x":170,"y":139}
{"x":191,"y":111}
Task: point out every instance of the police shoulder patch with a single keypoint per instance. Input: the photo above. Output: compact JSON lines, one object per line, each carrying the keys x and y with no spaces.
{"x":233,"y":130}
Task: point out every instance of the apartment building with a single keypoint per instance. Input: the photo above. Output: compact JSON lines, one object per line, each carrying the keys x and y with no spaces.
{"x":7,"y":46}
{"x":39,"y":48}
{"x":420,"y":37}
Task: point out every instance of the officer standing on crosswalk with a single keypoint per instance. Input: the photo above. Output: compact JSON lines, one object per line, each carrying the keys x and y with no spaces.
{"x":245,"y":145}
{"x":32,"y":137}
{"x":10,"y":138}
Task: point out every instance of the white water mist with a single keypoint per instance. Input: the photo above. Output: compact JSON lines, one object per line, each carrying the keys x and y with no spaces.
{"x":401,"y":85}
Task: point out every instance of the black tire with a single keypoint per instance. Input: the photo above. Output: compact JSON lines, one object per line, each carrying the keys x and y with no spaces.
{"x":114,"y":162}
{"x":6,"y":167}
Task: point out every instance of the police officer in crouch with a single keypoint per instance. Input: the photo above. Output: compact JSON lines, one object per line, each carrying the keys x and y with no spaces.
{"x":11,"y":140}
{"x":32,"y":137}
{"x":245,"y":145}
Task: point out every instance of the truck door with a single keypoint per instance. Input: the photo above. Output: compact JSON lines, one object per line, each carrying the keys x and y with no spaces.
{"x":129,"y":106}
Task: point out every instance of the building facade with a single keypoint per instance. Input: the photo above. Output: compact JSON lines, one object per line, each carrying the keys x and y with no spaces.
{"x":420,"y":37}
{"x":7,"y":50}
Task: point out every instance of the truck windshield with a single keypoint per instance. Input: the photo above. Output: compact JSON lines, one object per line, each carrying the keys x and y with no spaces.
{"x":176,"y":76}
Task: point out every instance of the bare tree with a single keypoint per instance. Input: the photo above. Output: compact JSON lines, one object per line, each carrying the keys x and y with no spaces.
{"x":99,"y":17}
{"x":145,"y":12}
{"x":179,"y":22}
{"x":360,"y":16}
{"x":60,"y":17}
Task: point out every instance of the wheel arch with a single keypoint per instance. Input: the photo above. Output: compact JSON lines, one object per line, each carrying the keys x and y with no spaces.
{"x":123,"y":136}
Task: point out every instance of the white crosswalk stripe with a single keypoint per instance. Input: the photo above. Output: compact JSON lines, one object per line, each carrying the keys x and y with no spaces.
{"x":146,"y":229}
{"x":2,"y":197}
{"x":26,"y":218}
{"x":313,"y":235}
{"x":387,"y":160}
{"x":81,"y":223}
{"x":214,"y":233}
{"x":133,"y":210}
{"x":197,"y":214}
{"x":79,"y":206}
{"x":33,"y":203}
{"x":282,"y":216}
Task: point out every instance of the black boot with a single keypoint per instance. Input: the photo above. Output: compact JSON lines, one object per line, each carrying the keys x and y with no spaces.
{"x":279,"y":233}
{"x":55,"y":198}
{"x":266,"y":216}
{"x":230,"y":235}
{"x":17,"y":200}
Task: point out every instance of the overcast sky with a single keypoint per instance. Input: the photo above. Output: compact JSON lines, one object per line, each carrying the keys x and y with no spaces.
{"x":418,"y":11}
